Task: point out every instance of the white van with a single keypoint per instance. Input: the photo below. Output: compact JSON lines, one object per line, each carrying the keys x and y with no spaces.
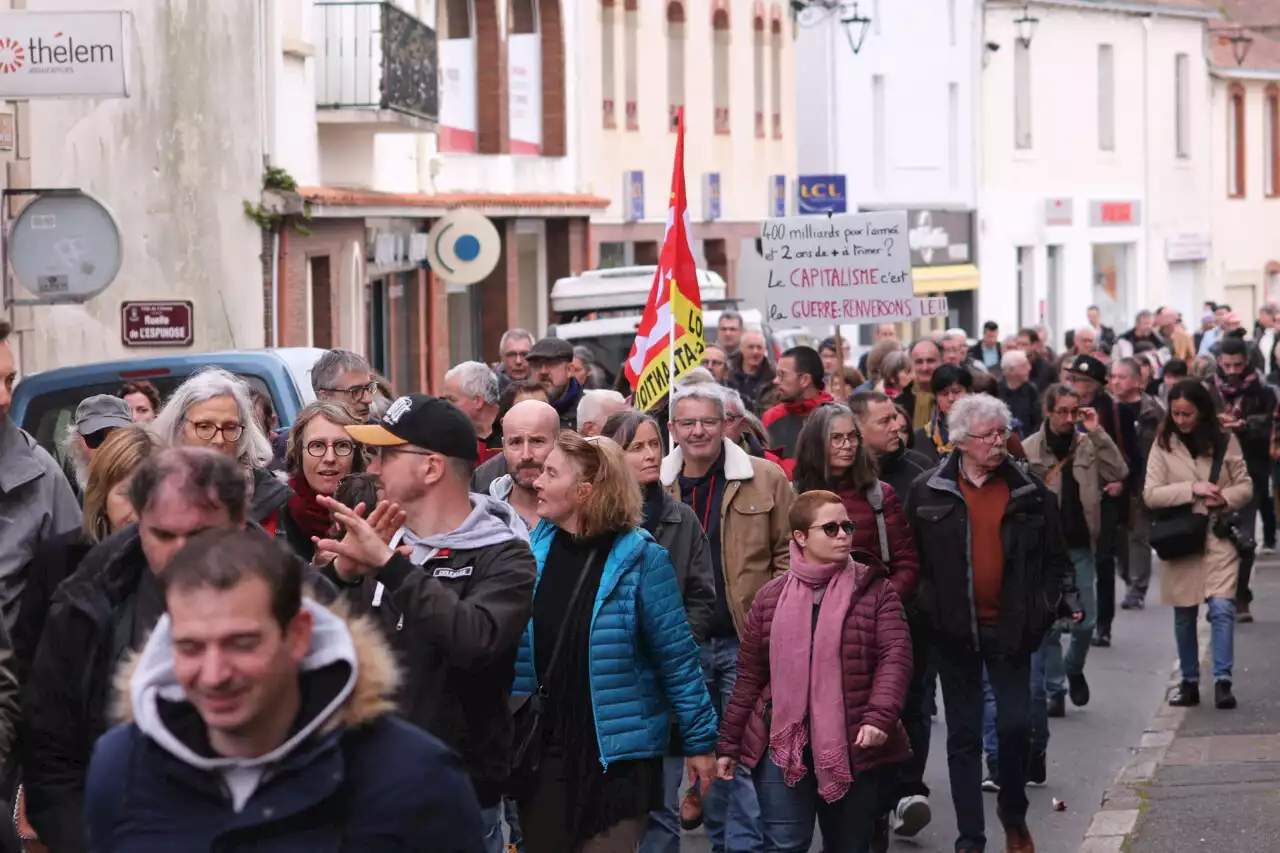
{"x":597,"y":291}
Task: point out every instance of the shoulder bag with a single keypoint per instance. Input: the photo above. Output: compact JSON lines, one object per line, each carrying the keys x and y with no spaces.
{"x":1179,"y":531}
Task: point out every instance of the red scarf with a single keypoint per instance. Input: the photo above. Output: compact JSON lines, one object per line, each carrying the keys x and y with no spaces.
{"x":796,"y":407}
{"x":306,"y":512}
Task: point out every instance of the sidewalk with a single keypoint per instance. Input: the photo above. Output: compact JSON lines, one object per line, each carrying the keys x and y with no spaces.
{"x":1204,"y":779}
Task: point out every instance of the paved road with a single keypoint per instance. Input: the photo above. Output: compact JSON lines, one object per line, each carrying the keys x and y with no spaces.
{"x":1087,"y":749}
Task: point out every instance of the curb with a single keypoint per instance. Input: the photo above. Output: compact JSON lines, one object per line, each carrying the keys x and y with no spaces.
{"x":1116,"y":822}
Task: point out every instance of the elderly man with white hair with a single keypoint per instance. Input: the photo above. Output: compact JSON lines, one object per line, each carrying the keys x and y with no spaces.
{"x":988,"y":534}
{"x":1022,"y":398}
{"x":212,"y":409}
{"x":594,"y":409}
{"x":473,"y":387}
{"x":955,"y":350}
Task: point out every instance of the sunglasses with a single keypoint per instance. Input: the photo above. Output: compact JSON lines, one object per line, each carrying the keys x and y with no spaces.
{"x":834,"y":528}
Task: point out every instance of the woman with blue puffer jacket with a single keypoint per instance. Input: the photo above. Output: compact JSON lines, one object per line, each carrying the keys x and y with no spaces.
{"x":626,"y":662}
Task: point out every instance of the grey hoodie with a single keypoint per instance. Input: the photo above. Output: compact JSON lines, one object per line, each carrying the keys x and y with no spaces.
{"x":491,"y":522}
{"x":154,"y":680}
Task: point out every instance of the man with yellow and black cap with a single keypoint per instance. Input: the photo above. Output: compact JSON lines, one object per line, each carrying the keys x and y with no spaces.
{"x":452,"y":587}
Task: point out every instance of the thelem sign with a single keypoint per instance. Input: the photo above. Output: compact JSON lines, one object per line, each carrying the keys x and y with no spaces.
{"x":63,"y":54}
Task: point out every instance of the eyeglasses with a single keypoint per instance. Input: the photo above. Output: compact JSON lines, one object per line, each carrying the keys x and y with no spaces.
{"x":385,"y":451}
{"x":690,"y":423}
{"x":840,"y":439}
{"x":992,"y":438}
{"x":355,"y":392}
{"x":1066,"y":413}
{"x":522,"y":354}
{"x":713,"y":362}
{"x":835,"y":528}
{"x":341,"y":448}
{"x":205,"y":431}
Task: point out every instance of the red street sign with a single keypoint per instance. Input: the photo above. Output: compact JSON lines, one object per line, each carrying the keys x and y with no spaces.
{"x":156,"y":324}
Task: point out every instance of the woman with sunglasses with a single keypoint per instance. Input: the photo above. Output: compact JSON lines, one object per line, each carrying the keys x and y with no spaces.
{"x":821,"y":739}
{"x":320,"y":455}
{"x":611,"y":655}
{"x":830,"y":456}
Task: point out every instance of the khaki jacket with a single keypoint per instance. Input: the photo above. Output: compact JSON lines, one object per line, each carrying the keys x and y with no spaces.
{"x":1170,"y":475}
{"x":1095,"y":460}
{"x":755,"y":530}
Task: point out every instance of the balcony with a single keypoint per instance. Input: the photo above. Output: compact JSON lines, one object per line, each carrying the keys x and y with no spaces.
{"x":376,"y":67}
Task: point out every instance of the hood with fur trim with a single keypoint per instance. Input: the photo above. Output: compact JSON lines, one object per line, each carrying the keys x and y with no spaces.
{"x":352,"y":672}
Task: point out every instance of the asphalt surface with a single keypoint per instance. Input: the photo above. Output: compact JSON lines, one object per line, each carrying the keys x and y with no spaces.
{"x":1087,"y":748}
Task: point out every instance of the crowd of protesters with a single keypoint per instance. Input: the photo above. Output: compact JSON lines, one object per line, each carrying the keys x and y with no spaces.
{"x":525,"y":616}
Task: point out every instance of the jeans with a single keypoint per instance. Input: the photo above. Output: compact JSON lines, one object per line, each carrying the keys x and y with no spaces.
{"x":492,"y":820}
{"x":1137,"y":557}
{"x":1056,"y":666}
{"x":663,"y":834}
{"x":730,"y":810}
{"x":1248,"y":523}
{"x":1040,"y":692}
{"x":960,"y":671}
{"x":916,"y":714}
{"x":1222,"y":631}
{"x":787,"y":814}
{"x":1265,"y":497}
{"x":1109,"y":540}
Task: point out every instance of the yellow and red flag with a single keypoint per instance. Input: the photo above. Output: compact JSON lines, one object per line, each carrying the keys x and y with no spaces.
{"x":669,"y":341}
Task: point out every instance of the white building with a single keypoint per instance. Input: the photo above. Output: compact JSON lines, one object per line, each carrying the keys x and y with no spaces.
{"x":1245,"y":183}
{"x":898,"y":127}
{"x":1096,"y":160}
{"x":729,"y":66}
{"x":174,"y":162}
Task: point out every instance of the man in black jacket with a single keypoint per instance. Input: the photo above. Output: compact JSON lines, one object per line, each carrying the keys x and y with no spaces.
{"x":751,"y":373}
{"x":994,"y":575}
{"x":99,"y":615}
{"x":1246,"y":406}
{"x":452,"y":589}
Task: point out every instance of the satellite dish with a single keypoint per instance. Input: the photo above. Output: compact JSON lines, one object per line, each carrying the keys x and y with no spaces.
{"x":463,"y":247}
{"x":65,"y":246}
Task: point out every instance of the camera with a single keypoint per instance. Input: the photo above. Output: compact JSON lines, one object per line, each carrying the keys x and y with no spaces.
{"x":1228,"y":527}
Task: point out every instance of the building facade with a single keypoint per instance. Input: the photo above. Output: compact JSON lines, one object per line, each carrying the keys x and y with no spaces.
{"x":729,"y":66}
{"x":174,"y":162}
{"x":1096,"y":163}
{"x":898,"y":130}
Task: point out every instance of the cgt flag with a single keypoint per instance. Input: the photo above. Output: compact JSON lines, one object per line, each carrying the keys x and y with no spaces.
{"x":669,"y":340}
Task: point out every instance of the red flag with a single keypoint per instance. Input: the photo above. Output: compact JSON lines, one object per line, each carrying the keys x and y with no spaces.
{"x":673,"y":312}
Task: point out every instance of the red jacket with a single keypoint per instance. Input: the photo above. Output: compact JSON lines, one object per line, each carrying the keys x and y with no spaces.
{"x":876,"y":663}
{"x":904,"y":560}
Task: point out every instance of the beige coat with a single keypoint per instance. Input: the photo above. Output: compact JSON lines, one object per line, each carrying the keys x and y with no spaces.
{"x":1095,"y":460}
{"x":755,"y":527}
{"x":1170,"y":475}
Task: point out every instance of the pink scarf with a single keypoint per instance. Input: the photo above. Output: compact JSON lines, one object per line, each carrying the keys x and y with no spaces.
{"x":808,"y":700}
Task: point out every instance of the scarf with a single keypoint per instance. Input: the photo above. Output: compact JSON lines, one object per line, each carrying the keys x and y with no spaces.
{"x":923,"y":409}
{"x":1058,"y":443}
{"x":808,"y":701}
{"x":653,"y":502}
{"x":1233,"y":392}
{"x":936,"y":429}
{"x":306,"y":512}
{"x":801,"y":408}
{"x":568,"y":402}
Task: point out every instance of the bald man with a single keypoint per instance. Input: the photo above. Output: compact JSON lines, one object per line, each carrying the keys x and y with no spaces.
{"x":528,"y":433}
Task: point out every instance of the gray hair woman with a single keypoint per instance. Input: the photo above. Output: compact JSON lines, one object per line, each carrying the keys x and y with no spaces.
{"x":320,"y":455}
{"x":213,"y":409}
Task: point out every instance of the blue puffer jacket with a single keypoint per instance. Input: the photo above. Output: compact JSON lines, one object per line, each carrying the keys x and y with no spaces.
{"x":644,"y":662}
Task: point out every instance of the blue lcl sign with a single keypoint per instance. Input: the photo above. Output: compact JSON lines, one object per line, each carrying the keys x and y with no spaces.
{"x":821,"y":194}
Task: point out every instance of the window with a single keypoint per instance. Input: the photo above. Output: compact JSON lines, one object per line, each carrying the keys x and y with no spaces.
{"x":757,"y":65}
{"x":1182,"y":105}
{"x":608,"y":28}
{"x":1271,"y":143}
{"x":631,"y":29}
{"x":775,"y":72}
{"x":1235,"y":141}
{"x":953,"y":135}
{"x":877,"y":131}
{"x":524,"y":20}
{"x":720,"y":69}
{"x":458,"y":19}
{"x":675,"y":63}
{"x":951,"y":21}
{"x":1106,"y":98}
{"x":1021,"y":94}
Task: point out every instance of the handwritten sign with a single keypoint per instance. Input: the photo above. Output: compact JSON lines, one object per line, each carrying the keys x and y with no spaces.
{"x":853,"y":268}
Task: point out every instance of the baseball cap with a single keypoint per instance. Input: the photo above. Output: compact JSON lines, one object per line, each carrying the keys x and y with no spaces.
{"x":1089,"y":367}
{"x":102,"y":411}
{"x":551,"y":349}
{"x":420,"y":420}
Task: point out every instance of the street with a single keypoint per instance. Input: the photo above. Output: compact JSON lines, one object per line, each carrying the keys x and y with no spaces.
{"x":1086,"y":750}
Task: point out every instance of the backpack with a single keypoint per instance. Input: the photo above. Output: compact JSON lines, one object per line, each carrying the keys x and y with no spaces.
{"x":875,"y":497}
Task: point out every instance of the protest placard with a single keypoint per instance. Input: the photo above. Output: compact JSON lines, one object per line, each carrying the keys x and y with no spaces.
{"x":851,"y":268}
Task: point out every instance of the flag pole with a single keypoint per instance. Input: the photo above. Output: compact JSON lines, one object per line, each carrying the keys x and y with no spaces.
{"x":671,"y":344}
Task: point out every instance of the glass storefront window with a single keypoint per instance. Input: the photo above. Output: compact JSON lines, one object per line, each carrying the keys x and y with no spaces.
{"x":1112,"y":283}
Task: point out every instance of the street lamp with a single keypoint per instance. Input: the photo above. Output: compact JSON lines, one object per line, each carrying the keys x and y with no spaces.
{"x":1240,"y":44}
{"x":810,"y":13}
{"x":1026,"y":26}
{"x":858,"y":23}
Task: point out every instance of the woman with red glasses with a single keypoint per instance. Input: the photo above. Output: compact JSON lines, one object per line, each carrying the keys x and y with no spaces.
{"x":821,"y":739}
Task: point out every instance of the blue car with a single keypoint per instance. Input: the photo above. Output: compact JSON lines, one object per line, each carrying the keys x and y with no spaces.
{"x":44,"y":403}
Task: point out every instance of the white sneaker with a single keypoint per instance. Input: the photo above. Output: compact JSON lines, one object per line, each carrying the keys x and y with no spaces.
{"x":911,"y":816}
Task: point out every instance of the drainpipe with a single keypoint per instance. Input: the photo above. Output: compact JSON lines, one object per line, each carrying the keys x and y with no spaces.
{"x":1148,"y":207}
{"x":274,"y":339}
{"x":281,"y":293}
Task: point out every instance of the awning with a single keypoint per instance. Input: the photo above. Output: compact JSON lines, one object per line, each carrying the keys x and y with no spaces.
{"x":945,"y":279}
{"x":335,"y":202}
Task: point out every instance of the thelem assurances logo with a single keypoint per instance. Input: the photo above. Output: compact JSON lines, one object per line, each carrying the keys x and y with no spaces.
{"x":12,"y":55}
{"x":59,"y":57}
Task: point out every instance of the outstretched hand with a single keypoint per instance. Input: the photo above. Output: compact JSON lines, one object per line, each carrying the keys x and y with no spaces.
{"x":366,"y":547}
